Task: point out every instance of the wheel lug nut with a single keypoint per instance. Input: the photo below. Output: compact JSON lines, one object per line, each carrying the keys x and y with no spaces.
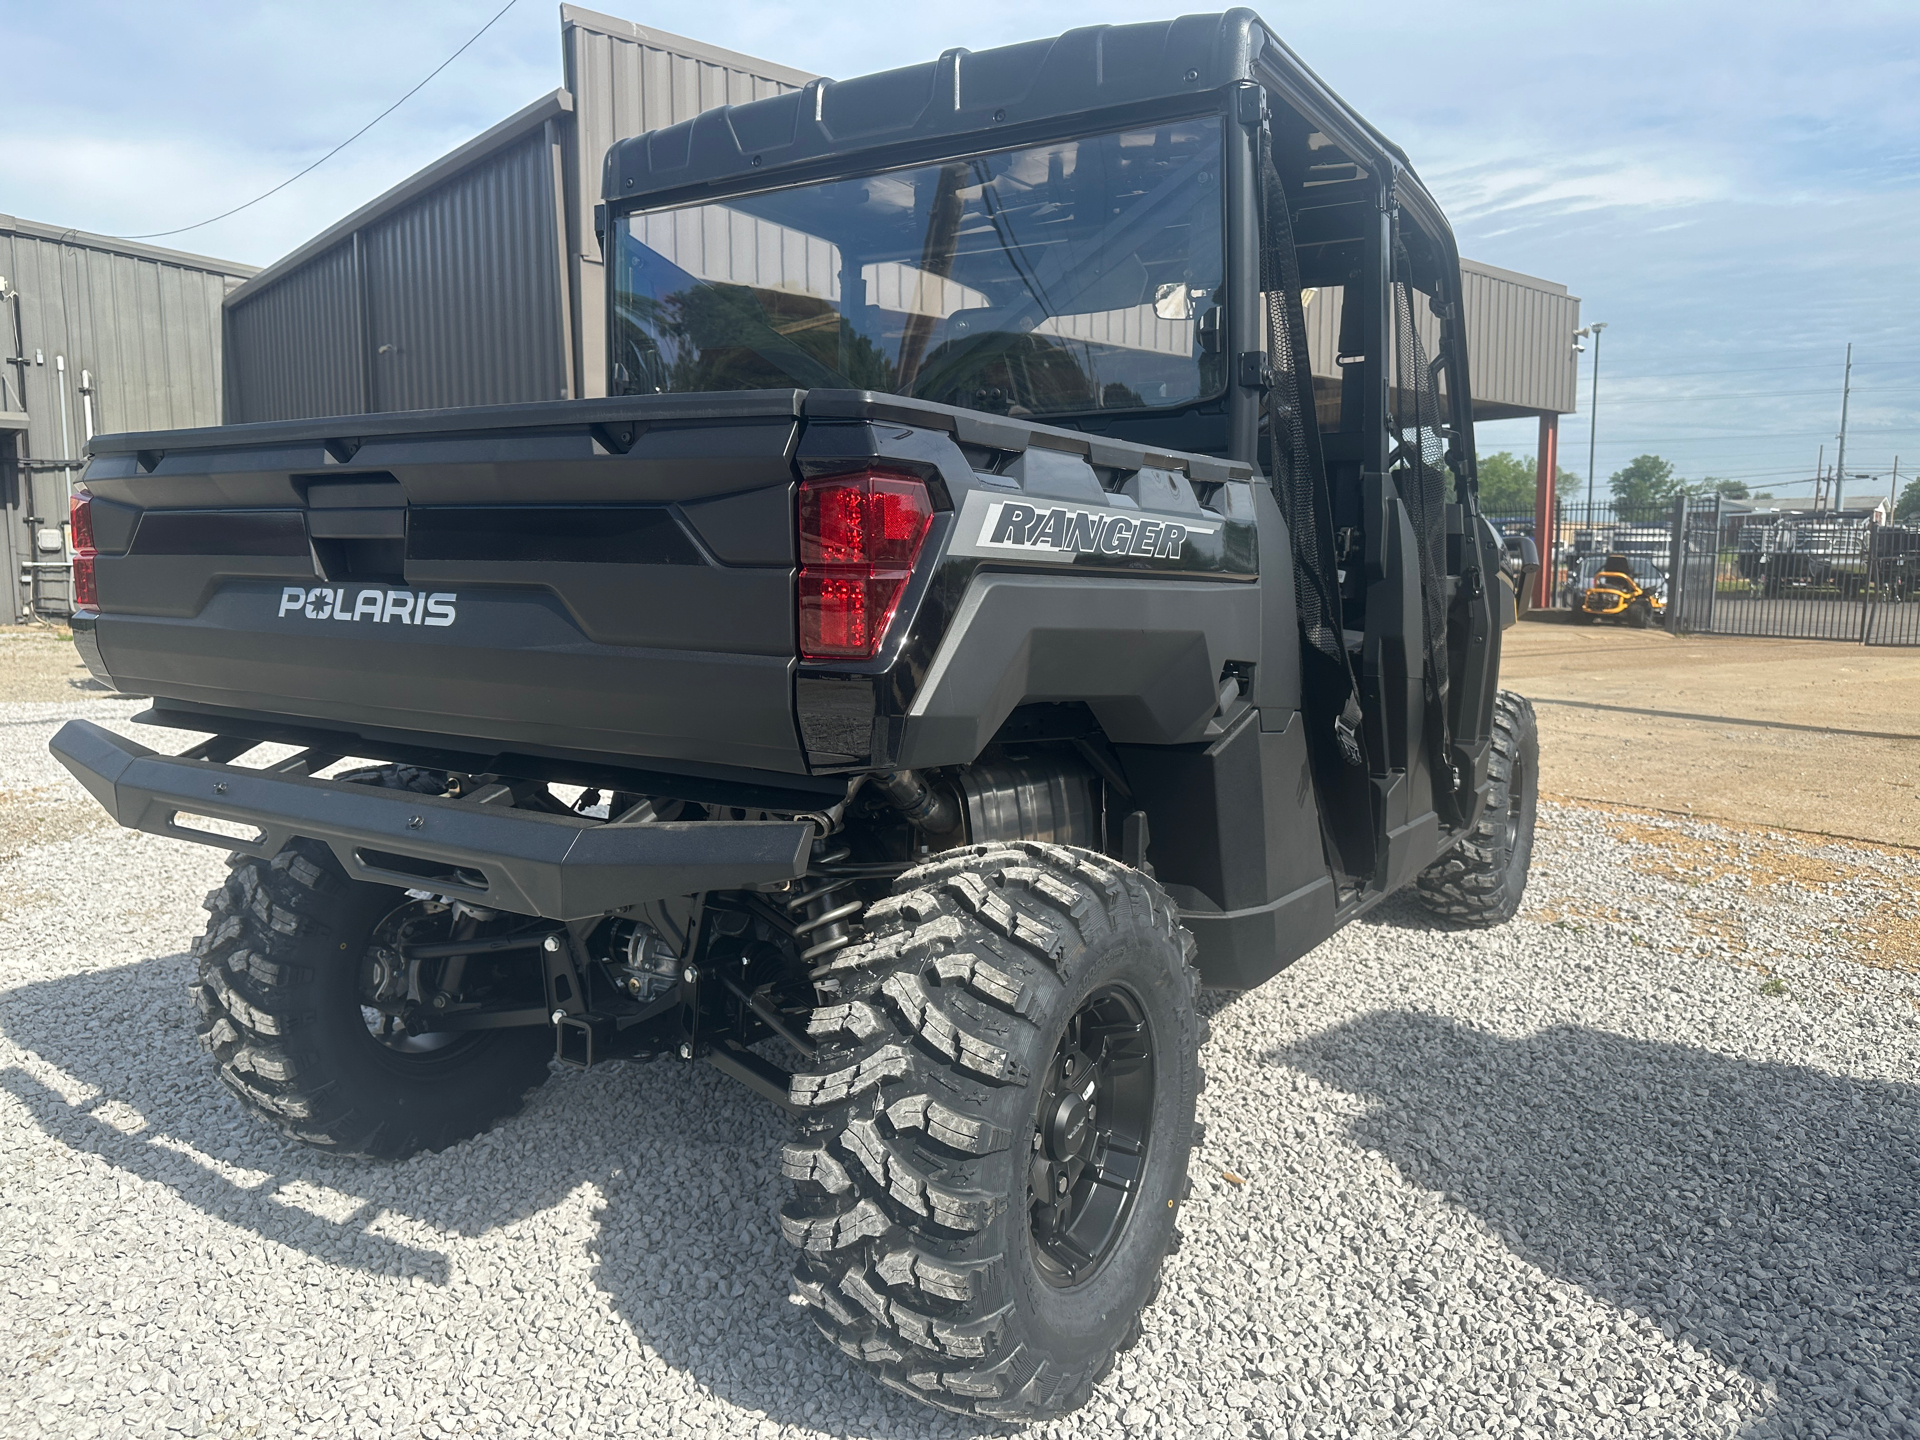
{"x":1060,"y":1182}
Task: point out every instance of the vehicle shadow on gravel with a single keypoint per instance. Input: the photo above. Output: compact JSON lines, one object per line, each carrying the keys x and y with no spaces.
{"x":682,"y":1163}
{"x":1767,"y":1214}
{"x":128,"y":1036}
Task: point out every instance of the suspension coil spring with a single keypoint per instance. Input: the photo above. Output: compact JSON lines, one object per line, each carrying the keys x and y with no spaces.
{"x":821,"y":910}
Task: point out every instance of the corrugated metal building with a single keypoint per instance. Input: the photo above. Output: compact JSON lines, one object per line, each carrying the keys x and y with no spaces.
{"x":480,"y":280}
{"x":95,"y":334}
{"x":450,"y":289}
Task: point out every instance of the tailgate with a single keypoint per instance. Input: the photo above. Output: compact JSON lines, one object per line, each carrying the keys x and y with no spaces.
{"x":612,"y":577}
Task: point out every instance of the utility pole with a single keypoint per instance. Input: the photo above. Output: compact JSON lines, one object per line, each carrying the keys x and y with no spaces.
{"x":1593,"y":422}
{"x":1840,"y":464}
{"x":1819,"y":477}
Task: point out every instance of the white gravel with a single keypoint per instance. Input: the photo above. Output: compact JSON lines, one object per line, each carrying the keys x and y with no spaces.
{"x":1645,"y":1164}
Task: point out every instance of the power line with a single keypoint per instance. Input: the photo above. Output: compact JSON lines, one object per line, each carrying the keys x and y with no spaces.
{"x":158,"y":234}
{"x":1759,"y":369}
{"x":1770,"y":437}
{"x":1745,"y":395}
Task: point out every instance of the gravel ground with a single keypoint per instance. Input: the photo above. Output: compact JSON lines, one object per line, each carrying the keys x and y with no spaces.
{"x":1645,"y":1162}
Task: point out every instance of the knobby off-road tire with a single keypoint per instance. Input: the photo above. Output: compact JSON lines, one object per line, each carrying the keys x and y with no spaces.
{"x":943,"y":1034}
{"x":1480,"y":881}
{"x":278,"y":994}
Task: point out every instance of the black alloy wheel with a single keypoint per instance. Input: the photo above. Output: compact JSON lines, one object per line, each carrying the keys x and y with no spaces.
{"x":1090,"y":1136}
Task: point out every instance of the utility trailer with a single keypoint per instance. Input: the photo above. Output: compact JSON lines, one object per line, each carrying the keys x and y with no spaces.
{"x":966,"y":630}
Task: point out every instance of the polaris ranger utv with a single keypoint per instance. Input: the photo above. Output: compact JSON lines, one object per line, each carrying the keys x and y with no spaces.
{"x":967,"y":629}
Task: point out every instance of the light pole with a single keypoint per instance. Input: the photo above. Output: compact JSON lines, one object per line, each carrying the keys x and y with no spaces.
{"x":1840,"y":464}
{"x":1593,"y":417}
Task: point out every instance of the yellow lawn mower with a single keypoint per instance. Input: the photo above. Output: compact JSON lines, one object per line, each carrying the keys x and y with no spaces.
{"x":1625,"y":588}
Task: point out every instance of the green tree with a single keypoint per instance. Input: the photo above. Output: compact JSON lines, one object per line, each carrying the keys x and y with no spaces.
{"x":1906,"y":510}
{"x":1508,"y":481}
{"x":1646,"y":480}
{"x":1714,"y":485}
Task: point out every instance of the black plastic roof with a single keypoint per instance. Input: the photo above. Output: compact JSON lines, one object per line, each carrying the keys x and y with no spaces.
{"x":960,"y":94}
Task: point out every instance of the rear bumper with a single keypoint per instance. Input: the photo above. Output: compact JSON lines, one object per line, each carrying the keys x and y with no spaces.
{"x":559,"y":867}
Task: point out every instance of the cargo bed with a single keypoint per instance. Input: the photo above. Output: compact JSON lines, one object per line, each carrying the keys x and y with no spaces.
{"x":605,"y":581}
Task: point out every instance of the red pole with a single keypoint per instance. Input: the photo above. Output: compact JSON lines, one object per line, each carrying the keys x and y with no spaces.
{"x":1544,"y":510}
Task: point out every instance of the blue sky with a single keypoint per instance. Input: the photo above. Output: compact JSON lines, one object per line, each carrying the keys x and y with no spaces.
{"x":1733,"y":188}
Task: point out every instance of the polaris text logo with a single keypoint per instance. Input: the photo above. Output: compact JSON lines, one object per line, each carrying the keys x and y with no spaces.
{"x":1061,"y":532}
{"x":404,"y":607}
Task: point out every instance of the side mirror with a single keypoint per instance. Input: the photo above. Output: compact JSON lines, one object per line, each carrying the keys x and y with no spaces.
{"x":1519,"y":563}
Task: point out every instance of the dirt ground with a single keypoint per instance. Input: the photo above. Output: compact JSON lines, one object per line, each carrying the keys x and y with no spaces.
{"x":1840,"y":772}
{"x":40,"y":664}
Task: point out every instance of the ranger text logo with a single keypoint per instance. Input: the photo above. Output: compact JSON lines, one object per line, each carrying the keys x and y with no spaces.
{"x":1061,"y":532}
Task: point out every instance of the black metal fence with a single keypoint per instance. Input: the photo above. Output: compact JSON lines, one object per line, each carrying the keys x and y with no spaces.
{"x":1796,"y":575}
{"x":1728,"y":569}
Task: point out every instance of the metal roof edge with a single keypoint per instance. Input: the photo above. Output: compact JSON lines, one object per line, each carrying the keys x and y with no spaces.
{"x":12,"y":224}
{"x":509,"y":130}
{"x":1516,"y":277}
{"x":681,"y":45}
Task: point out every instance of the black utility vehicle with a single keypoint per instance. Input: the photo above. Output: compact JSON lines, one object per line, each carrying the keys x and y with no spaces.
{"x":967,"y":630}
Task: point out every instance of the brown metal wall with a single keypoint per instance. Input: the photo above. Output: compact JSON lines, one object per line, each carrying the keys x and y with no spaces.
{"x":1519,"y":342}
{"x":1520,"y":356}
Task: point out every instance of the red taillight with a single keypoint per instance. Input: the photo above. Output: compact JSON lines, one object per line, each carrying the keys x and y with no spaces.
{"x":859,"y":536}
{"x":80,"y":513}
{"x":80,"y":539}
